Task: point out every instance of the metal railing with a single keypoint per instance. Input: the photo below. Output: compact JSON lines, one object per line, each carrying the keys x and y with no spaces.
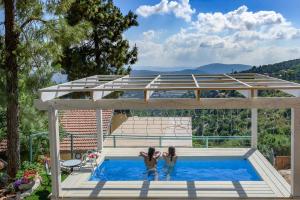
{"x":158,"y":140}
{"x":115,"y":141}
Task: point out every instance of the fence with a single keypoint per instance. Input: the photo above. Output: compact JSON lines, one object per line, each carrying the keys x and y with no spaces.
{"x":114,"y":141}
{"x":179,"y":141}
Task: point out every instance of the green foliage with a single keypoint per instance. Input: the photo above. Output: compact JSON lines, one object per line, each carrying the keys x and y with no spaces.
{"x":31,"y":166}
{"x":103,"y":50}
{"x":288,"y":70}
{"x":40,"y":146}
{"x":2,"y":123}
{"x":43,"y":32}
{"x":280,"y":144}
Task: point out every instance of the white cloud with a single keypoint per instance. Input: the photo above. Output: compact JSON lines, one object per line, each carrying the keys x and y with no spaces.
{"x":180,"y":9}
{"x":149,"y":35}
{"x":239,"y":36}
{"x":246,"y":24}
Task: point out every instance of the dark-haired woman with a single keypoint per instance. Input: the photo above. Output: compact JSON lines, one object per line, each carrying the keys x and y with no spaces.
{"x":150,"y":159}
{"x":170,"y":157}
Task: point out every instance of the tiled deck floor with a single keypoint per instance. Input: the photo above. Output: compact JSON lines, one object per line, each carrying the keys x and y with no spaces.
{"x":273,"y":185}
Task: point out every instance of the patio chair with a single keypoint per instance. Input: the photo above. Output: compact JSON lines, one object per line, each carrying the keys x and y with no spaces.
{"x":88,"y":162}
{"x":47,"y":167}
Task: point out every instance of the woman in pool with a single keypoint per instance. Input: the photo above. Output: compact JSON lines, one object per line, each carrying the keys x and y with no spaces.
{"x":150,"y":159}
{"x":170,"y":158}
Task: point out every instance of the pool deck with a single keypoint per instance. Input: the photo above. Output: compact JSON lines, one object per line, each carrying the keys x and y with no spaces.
{"x":273,"y":186}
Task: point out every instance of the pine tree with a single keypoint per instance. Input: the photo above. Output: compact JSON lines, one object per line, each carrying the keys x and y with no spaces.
{"x":30,"y":45}
{"x":104,"y":50}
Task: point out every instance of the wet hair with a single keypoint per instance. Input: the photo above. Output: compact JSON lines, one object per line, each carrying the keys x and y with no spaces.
{"x":171,"y":151}
{"x":151,"y":152}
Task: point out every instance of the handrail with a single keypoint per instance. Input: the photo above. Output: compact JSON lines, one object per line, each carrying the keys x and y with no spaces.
{"x":160,"y":138}
{"x":114,"y":138}
{"x":177,"y":137}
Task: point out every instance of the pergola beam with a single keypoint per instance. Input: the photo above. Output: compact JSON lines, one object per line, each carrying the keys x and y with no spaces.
{"x":100,"y":94}
{"x":197,"y":92}
{"x":294,"y":92}
{"x":53,"y":92}
{"x":246,"y":93}
{"x":100,"y":85}
{"x":147,"y":93}
{"x":205,"y":103}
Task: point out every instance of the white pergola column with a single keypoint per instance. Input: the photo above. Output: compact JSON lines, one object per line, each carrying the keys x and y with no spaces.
{"x":254,"y":126}
{"x":99,"y":130}
{"x":54,"y":152}
{"x":295,"y":152}
{"x":254,"y":134}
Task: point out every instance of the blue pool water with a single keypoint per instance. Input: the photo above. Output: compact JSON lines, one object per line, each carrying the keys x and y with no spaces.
{"x":197,"y":169}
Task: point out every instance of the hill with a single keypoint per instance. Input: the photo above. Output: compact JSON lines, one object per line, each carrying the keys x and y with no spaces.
{"x":214,"y":68}
{"x":221,"y":68}
{"x":288,"y":70}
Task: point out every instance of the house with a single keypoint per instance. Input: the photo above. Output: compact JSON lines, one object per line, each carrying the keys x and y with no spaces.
{"x":81,"y":122}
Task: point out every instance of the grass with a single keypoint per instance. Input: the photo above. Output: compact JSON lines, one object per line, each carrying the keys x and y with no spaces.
{"x":43,"y":191}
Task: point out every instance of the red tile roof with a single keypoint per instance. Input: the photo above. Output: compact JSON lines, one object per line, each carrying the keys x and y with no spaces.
{"x":78,"y":121}
{"x":3,"y":145}
{"x":83,"y":122}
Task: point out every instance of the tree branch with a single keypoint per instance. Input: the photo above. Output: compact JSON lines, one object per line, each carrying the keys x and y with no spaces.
{"x":30,"y":19}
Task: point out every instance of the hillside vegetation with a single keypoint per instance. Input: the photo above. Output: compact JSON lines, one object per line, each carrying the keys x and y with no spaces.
{"x":287,"y":70}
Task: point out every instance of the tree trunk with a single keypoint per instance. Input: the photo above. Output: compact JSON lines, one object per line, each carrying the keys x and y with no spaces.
{"x":12,"y":112}
{"x":97,"y":53}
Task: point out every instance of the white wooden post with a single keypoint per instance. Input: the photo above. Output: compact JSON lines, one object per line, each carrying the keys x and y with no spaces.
{"x":254,"y":125}
{"x":54,"y":152}
{"x":295,"y":152}
{"x":99,"y":130}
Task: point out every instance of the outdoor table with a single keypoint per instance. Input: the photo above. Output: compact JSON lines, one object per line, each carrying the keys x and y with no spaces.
{"x":71,"y":163}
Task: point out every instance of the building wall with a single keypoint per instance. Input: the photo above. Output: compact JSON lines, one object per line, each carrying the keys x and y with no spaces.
{"x":116,"y":121}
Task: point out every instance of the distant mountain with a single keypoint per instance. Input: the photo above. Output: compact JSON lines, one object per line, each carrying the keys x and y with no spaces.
{"x":219,"y":68}
{"x":214,"y":68}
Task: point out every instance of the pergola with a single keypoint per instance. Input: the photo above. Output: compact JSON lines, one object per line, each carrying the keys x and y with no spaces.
{"x":103,"y":87}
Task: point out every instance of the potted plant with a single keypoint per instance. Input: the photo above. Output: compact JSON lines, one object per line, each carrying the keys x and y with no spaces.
{"x":27,"y":181}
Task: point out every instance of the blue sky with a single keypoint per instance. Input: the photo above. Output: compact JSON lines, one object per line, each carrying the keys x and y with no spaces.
{"x":183,"y":33}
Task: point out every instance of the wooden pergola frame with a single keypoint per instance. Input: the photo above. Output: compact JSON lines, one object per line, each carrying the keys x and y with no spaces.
{"x":52,"y":99}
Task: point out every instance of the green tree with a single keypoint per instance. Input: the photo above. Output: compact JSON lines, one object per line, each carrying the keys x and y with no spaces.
{"x":104,"y":50}
{"x":31,"y":44}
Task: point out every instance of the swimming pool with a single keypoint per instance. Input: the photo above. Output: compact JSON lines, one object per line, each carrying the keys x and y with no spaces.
{"x":186,"y":169}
